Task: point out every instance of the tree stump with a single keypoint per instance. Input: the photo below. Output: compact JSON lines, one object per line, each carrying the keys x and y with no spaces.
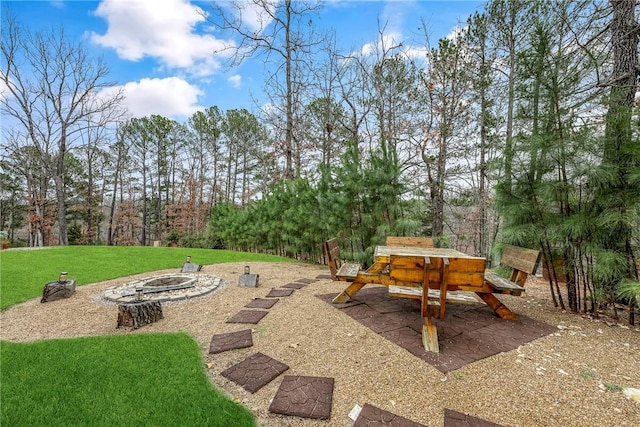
{"x":57,"y":290}
{"x":138,"y":314}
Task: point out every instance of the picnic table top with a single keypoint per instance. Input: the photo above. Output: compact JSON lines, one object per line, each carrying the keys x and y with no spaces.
{"x":387,"y":251}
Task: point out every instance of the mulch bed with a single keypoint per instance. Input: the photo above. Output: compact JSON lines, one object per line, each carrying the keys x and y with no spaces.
{"x":466,"y":334}
{"x":301,"y":396}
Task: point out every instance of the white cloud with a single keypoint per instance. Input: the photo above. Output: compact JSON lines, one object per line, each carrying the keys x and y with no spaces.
{"x":388,"y":42}
{"x":253,"y":16}
{"x":235,"y":80}
{"x":170,"y":97}
{"x":164,"y":30}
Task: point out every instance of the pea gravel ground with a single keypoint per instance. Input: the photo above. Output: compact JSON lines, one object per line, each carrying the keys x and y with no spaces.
{"x":572,"y":377}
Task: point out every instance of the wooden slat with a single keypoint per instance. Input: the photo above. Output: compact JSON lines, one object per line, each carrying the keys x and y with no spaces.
{"x":339,"y":269}
{"x":433,"y":294}
{"x":501,"y":284}
{"x":421,"y":242}
{"x":463,"y":272}
{"x":444,"y":282}
{"x":430,"y":336}
{"x":497,"y":306}
{"x":521,"y":259}
{"x":348,"y":271}
{"x":407,"y":268}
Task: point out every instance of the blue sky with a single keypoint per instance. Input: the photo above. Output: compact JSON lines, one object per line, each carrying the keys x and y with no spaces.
{"x":161,"y":51}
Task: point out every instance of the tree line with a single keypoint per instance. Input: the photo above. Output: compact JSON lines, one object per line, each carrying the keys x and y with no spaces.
{"x":521,"y":127}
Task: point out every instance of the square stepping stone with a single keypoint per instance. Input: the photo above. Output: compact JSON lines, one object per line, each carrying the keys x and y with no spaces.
{"x":323,"y":277}
{"x":307,"y":397}
{"x":295,"y":285}
{"x":262,"y":303}
{"x":248,"y":316}
{"x":277,"y":293}
{"x":458,"y":419}
{"x":305,"y":281}
{"x":230,"y":341}
{"x":372,"y":416}
{"x":254,"y":372}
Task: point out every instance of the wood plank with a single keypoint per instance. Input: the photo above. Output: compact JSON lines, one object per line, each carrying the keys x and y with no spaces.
{"x":501,"y":284}
{"x":522,"y":259}
{"x":430,"y":336}
{"x":407,"y":268}
{"x":346,"y":295}
{"x":497,"y":306}
{"x":434,"y":294}
{"x":444,"y":282}
{"x":423,"y":242}
{"x":348,"y":271}
{"x":385,"y":252}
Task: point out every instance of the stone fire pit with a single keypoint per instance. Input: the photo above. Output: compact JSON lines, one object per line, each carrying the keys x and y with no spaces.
{"x":166,"y":287}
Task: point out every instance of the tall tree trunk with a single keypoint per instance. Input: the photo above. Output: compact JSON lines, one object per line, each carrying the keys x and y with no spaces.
{"x":61,"y":197}
{"x":625,"y":33}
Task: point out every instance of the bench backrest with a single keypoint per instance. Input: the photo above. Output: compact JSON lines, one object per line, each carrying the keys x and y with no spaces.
{"x":332,"y":255}
{"x":523,"y":261}
{"x":422,"y":242}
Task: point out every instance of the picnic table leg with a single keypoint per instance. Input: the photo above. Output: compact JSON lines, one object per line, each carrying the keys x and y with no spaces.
{"x":497,"y":306}
{"x":346,"y":295}
{"x":430,"y":334}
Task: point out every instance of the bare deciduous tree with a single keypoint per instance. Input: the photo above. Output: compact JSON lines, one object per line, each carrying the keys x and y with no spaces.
{"x":284,"y":30}
{"x":53,"y":92}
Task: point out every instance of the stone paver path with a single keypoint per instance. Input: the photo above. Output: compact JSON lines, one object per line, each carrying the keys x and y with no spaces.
{"x":254,"y":372}
{"x":301,"y":396}
{"x":371,"y":416}
{"x":230,"y":341}
{"x":248,"y":316}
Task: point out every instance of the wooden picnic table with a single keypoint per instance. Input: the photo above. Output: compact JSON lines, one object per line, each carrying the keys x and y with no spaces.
{"x":434,"y":276}
{"x":385,"y":257}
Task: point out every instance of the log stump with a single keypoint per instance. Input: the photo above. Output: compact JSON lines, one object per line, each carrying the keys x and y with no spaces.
{"x":139,"y":313}
{"x":57,"y":290}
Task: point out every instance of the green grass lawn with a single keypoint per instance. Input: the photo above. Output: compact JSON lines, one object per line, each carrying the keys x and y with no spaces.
{"x":138,"y":380}
{"x":24,"y":273}
{"x":141,"y":379}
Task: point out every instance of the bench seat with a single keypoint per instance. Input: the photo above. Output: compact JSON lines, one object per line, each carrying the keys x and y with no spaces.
{"x":522,"y":262}
{"x":340,"y":270}
{"x":348,"y":272}
{"x":434,"y":294}
{"x":502,"y":285}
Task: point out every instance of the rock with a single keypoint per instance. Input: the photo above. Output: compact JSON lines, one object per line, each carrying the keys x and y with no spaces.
{"x":631,"y":393}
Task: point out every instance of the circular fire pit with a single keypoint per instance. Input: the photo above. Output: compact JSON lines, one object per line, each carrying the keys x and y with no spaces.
{"x":166,"y":287}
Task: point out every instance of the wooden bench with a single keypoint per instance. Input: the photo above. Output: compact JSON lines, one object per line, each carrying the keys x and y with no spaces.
{"x":340,"y":270}
{"x":522,"y":261}
{"x":422,"y":242}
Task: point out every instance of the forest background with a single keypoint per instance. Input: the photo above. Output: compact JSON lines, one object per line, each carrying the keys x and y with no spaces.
{"x":521,"y":128}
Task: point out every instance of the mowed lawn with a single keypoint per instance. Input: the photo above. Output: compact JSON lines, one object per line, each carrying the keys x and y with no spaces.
{"x":23,"y":273}
{"x":141,"y":379}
